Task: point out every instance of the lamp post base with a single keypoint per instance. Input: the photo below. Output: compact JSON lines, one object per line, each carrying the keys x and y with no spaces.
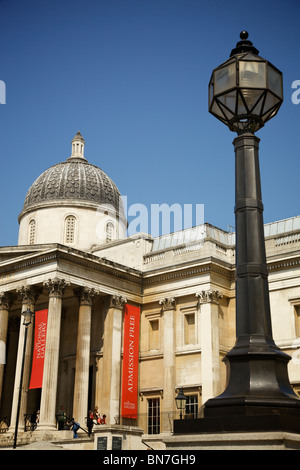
{"x":260,"y":420}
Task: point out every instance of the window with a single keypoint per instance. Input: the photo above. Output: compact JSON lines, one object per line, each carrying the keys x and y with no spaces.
{"x":70,"y":229}
{"x":191,"y":406}
{"x":153,"y":416}
{"x":32,"y":232}
{"x":189,"y":328}
{"x":153,"y":334}
{"x":297,"y":319}
{"x":109,"y":231}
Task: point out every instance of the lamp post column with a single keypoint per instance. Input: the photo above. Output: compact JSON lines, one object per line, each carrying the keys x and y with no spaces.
{"x":257,"y":368}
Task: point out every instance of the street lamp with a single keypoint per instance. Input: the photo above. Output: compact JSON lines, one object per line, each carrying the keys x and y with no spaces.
{"x":27,"y":319}
{"x":244,"y":93}
{"x":180,"y":401}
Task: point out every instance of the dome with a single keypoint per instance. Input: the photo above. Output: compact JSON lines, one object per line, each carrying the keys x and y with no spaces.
{"x":73,"y":203}
{"x":74,"y":180}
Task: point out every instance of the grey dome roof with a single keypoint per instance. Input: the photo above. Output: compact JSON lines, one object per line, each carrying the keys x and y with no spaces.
{"x":74,"y":180}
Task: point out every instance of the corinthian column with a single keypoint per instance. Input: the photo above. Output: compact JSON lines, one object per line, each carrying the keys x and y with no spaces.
{"x":111,"y":382}
{"x":168,"y":307}
{"x":29,"y":295}
{"x":56,"y":288}
{"x":6,"y":301}
{"x":81,"y":387}
{"x":210,"y":360}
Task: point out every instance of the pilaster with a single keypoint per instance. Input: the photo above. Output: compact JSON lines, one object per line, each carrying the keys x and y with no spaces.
{"x":168,"y":306}
{"x":210,"y":358}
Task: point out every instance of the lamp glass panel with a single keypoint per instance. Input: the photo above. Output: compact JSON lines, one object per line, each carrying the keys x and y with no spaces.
{"x":274,"y":81}
{"x":252,"y":74}
{"x":270,"y":102}
{"x":229,"y":100}
{"x":225,"y":78}
{"x":251,"y":97}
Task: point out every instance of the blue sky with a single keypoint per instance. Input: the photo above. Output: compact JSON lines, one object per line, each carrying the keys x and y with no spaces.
{"x":132,"y":77}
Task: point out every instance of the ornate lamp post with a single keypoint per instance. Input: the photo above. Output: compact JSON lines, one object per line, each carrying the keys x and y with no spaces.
{"x":180,"y":401}
{"x":244,"y":93}
{"x":28,"y":315}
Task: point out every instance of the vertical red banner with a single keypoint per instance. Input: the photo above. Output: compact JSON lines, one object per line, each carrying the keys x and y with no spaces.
{"x":39,"y":347}
{"x":130,"y":361}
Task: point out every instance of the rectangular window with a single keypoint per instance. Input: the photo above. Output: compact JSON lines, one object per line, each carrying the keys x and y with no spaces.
{"x":189,"y":328}
{"x":297,"y":319}
{"x":153,"y":416}
{"x":191,"y":406}
{"x":154,"y":334}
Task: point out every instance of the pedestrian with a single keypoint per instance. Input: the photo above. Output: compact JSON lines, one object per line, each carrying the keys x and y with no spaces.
{"x":96,"y":415}
{"x":90,"y":422}
{"x":75,"y":428}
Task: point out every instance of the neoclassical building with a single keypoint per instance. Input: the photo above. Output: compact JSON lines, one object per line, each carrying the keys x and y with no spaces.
{"x":177,"y":292}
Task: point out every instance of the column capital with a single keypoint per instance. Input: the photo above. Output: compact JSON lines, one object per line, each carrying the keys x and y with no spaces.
{"x":116,"y":301}
{"x":168,"y":303}
{"x":209,"y":296}
{"x":56,"y":287}
{"x":6,"y":300}
{"x":29,"y":294}
{"x":85,"y":295}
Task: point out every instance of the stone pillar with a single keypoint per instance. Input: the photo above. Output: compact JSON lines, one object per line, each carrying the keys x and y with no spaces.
{"x":6,"y":300}
{"x":210,"y":358}
{"x":168,"y":307}
{"x":29,"y":295}
{"x":111,"y":375}
{"x":81,"y":387}
{"x":56,"y":288}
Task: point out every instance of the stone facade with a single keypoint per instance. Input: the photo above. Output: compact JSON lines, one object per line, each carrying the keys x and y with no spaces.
{"x":185,"y":288}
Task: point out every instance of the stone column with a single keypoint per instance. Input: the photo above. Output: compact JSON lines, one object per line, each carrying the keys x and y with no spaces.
{"x":29,"y":295}
{"x":111,"y":380}
{"x":210,"y":358}
{"x":168,"y":307}
{"x":81,"y":387}
{"x":56,"y":288}
{"x":6,"y":300}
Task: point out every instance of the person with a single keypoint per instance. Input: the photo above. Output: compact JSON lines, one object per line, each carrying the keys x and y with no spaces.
{"x":103,"y":419}
{"x":75,"y":428}
{"x":96,"y":415}
{"x":61,"y":418}
{"x":90,"y":422}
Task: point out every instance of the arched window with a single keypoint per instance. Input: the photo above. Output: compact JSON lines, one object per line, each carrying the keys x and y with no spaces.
{"x":70,"y":229}
{"x":109,"y":231}
{"x":32,"y":225}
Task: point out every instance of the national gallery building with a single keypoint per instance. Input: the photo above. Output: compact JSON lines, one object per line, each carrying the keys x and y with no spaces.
{"x":122,"y":323}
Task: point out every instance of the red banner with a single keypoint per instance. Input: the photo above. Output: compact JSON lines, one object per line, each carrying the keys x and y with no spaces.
{"x":130,"y":361}
{"x":39,"y":349}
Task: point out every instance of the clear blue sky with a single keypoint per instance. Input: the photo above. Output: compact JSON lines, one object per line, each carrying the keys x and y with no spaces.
{"x":132,"y":76}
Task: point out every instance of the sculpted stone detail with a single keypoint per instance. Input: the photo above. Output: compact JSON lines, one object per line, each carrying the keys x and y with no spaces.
{"x":6,"y":300}
{"x":209,"y":296}
{"x":85,"y":295}
{"x":56,"y":287}
{"x":116,"y":301}
{"x":168,"y":303}
{"x":29,"y":294}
